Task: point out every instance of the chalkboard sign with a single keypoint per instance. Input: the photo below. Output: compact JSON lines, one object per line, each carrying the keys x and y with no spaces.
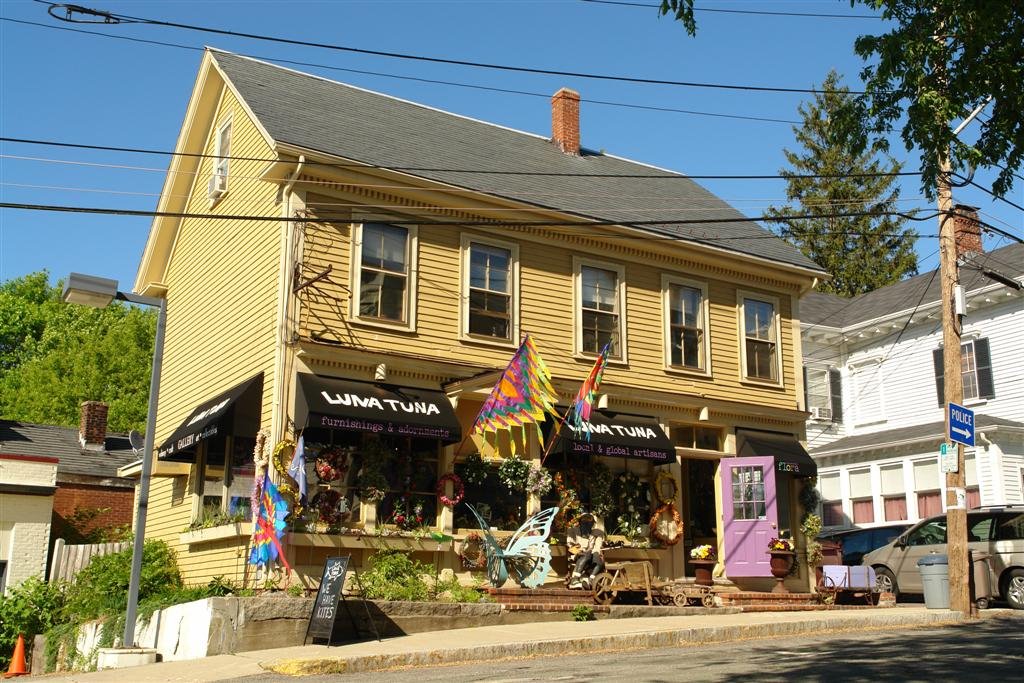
{"x":325,"y":609}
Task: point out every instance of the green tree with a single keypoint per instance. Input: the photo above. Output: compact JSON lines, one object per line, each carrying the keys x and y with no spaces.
{"x":940,"y":60}
{"x":53,"y":356}
{"x":862,"y":252}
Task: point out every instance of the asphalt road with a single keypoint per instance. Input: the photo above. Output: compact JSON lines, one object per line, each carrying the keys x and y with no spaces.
{"x":989,"y":650}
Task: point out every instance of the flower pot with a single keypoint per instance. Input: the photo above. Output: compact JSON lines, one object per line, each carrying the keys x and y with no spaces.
{"x":702,"y":572}
{"x":781,"y":564}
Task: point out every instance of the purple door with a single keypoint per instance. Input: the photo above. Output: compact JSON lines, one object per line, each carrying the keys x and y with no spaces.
{"x":750,"y":514}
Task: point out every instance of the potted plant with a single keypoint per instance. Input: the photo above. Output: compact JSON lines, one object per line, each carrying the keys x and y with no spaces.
{"x":703,"y":559}
{"x":782,"y":558}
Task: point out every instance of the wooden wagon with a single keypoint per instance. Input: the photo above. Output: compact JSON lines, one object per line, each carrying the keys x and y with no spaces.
{"x":638,"y":578}
{"x":858,"y":582}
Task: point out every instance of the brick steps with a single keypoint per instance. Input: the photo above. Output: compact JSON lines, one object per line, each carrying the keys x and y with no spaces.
{"x":556,"y":598}
{"x":764,"y":599}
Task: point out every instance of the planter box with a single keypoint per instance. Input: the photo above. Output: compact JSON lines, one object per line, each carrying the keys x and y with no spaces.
{"x":367,"y":542}
{"x":216,"y":533}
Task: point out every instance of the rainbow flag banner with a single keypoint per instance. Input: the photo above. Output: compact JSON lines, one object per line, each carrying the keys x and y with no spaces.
{"x":579,"y":411}
{"x":268,"y":526}
{"x":523,"y":395}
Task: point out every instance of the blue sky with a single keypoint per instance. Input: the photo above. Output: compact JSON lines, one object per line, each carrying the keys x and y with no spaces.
{"x":62,"y":86}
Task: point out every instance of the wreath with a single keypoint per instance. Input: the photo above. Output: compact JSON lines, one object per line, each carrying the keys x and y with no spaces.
{"x":328,"y":504}
{"x":659,"y":481}
{"x":657,"y":524}
{"x":513,"y":472}
{"x":472,"y":554}
{"x":332,"y":464}
{"x":458,"y":490}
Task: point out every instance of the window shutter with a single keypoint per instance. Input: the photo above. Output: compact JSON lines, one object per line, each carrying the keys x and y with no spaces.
{"x":983,"y":361}
{"x":940,"y":385}
{"x":835,"y":383}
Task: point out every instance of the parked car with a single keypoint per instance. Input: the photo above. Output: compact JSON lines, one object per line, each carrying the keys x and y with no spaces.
{"x":996,"y":531}
{"x":858,"y":542}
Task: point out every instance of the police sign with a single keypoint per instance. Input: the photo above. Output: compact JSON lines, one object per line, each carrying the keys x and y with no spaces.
{"x":961,"y":424}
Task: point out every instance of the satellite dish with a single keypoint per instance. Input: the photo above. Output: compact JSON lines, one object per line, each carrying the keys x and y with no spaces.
{"x":136,"y":441}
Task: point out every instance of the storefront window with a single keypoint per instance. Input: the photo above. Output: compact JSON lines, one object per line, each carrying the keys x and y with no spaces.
{"x":502,"y":509}
{"x":225,"y":492}
{"x":333,"y":459}
{"x":411,"y":471}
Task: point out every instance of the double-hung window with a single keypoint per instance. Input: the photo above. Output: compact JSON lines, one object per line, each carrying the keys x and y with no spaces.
{"x":686,"y":312}
{"x":489,"y":290}
{"x":601,"y":303}
{"x":975,"y":369}
{"x":383,"y":279}
{"x":824,"y":393}
{"x":218,"y":183}
{"x":759,"y":323}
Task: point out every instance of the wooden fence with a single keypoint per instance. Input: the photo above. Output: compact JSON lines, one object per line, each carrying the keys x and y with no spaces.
{"x":68,"y":560}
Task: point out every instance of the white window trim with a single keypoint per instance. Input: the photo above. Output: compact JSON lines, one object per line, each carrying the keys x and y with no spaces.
{"x":666,"y":311}
{"x":466,"y":240}
{"x":577,"y":307}
{"x":356,"y":259}
{"x":741,"y":295}
{"x":858,"y":369}
{"x":226,"y":124}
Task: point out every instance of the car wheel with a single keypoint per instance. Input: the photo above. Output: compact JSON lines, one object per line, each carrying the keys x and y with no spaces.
{"x":886,"y":581}
{"x":1014,"y":591}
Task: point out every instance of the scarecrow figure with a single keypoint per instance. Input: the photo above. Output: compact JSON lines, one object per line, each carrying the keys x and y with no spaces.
{"x":585,"y":540}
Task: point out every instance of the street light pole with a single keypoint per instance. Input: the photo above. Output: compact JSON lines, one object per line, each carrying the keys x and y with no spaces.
{"x":99,"y":292}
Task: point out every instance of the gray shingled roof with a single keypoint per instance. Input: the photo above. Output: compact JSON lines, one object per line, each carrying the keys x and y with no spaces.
{"x":314,"y":113}
{"x":835,"y":311}
{"x":933,"y":430}
{"x":23,"y":438}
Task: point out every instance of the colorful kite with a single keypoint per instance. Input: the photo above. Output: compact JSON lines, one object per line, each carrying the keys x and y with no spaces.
{"x":268,"y":527}
{"x":522,"y":396}
{"x":579,"y":411}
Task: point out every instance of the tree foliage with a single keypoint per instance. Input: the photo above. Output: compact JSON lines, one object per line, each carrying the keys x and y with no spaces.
{"x":861,"y":252}
{"x":53,"y":356}
{"x":942,"y":59}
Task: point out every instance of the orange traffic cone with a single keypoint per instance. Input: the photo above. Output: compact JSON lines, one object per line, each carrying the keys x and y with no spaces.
{"x":17,"y":667}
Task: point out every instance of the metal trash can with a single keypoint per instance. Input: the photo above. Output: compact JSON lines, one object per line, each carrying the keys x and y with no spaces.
{"x":935,"y":580}
{"x":981,"y":578}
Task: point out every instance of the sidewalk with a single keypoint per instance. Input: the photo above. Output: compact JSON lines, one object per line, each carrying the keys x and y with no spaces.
{"x":522,"y":640}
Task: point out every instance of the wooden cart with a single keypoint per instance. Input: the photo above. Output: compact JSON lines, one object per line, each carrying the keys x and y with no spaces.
{"x":638,"y":577}
{"x":858,"y":582}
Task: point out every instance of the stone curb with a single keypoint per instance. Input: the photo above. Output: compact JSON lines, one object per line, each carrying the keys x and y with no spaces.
{"x":623,"y":641}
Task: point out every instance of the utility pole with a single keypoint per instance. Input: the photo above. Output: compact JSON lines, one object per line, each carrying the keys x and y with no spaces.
{"x":956,"y":507}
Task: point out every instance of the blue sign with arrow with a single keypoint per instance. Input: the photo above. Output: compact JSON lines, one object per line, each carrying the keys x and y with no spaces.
{"x":961,"y":424}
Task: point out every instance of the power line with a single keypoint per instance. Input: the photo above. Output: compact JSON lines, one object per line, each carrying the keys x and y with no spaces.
{"x":741,"y":11}
{"x":663,"y":176}
{"x":433,"y":81}
{"x":463,"y":223}
{"x":992,"y":194}
{"x":114,"y":18}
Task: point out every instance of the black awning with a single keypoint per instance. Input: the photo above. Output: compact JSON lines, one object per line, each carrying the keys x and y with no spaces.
{"x":790,"y":456}
{"x":618,"y":435}
{"x":332,"y":403}
{"x":205,"y":421}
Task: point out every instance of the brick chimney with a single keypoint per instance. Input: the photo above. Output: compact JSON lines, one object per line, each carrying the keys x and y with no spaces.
{"x":967,"y":230}
{"x":565,"y":120}
{"x":92,"y":430}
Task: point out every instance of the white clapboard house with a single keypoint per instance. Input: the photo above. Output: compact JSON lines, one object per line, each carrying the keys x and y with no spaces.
{"x":874,"y":386}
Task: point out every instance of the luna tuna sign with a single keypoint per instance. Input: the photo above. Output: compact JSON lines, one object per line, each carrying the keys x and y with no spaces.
{"x":384,"y":415}
{"x":620,"y":440}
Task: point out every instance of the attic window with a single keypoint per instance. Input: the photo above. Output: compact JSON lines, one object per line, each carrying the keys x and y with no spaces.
{"x":221,"y":154}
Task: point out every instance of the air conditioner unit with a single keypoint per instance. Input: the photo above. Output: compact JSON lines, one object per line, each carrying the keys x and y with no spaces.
{"x":217,"y":187}
{"x":821,"y":414}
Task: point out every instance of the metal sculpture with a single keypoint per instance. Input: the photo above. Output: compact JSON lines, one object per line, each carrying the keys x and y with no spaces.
{"x":526,"y":557}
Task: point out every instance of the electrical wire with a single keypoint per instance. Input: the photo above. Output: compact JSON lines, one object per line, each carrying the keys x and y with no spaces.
{"x":583,"y":223}
{"x":762,"y":13}
{"x":308,"y":163}
{"x":114,"y":18}
{"x":432,"y":81}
